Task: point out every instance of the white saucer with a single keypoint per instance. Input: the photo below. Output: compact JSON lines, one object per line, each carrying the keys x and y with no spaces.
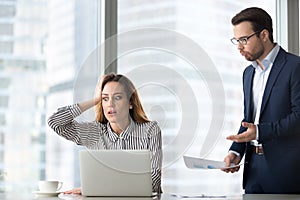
{"x":48,"y":194}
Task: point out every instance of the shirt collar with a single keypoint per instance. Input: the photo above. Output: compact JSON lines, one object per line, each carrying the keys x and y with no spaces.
{"x":269,"y":59}
{"x":125,"y":134}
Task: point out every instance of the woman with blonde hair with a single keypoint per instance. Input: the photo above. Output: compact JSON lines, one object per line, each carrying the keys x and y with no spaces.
{"x":120,"y":123}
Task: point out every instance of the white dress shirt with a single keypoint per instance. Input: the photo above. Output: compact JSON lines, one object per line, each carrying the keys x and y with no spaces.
{"x":260,"y":79}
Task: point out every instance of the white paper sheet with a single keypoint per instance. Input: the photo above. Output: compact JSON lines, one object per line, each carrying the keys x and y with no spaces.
{"x":200,"y":163}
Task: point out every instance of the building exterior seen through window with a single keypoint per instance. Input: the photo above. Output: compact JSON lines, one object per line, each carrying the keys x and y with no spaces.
{"x":48,"y":59}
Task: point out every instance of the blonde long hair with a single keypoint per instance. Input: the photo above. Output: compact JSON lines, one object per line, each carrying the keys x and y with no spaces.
{"x":137,"y":112}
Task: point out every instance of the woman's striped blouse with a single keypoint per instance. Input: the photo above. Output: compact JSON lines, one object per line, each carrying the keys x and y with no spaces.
{"x":95,"y":135}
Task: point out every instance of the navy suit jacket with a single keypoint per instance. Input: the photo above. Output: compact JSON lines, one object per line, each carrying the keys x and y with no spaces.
{"x":279,"y":124}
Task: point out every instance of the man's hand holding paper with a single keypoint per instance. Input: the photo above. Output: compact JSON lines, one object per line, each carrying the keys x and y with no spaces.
{"x":200,"y":163}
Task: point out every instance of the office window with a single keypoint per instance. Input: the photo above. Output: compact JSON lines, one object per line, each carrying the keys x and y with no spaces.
{"x":47,"y":61}
{"x":43,"y":45}
{"x":72,"y":72}
{"x":197,"y":81}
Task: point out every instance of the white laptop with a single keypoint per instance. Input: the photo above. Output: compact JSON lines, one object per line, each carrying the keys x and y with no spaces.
{"x":114,"y":173}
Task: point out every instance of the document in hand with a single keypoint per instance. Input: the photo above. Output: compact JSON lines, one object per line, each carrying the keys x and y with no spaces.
{"x":200,"y":163}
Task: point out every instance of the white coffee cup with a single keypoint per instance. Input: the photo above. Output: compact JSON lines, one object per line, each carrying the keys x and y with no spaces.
{"x":49,"y":186}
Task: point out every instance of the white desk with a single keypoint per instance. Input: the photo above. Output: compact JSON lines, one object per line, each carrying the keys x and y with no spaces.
{"x":18,"y":196}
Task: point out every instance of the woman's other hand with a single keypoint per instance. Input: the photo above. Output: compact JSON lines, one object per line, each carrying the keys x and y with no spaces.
{"x":73,"y":191}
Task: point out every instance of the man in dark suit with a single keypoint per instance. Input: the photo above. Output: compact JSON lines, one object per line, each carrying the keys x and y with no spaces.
{"x":269,"y":135}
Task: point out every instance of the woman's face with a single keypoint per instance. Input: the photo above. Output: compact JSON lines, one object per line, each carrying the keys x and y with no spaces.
{"x":115,"y":103}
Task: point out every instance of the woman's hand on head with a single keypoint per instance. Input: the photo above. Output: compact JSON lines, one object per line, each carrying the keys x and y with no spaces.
{"x":98,"y":90}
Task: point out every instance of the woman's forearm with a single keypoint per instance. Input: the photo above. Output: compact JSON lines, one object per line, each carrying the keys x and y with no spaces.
{"x":88,"y":104}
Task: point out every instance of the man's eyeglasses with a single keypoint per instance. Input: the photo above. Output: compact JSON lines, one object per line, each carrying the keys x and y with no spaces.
{"x":243,"y":40}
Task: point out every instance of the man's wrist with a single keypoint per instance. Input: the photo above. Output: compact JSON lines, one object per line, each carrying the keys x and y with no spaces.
{"x":257,"y":132}
{"x":234,"y":152}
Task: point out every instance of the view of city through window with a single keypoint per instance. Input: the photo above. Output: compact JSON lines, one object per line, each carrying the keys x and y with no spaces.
{"x":178,"y":54}
{"x":197,"y":103}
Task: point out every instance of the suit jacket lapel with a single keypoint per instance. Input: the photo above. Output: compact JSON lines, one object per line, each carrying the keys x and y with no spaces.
{"x":276,"y":68}
{"x":248,"y":91}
